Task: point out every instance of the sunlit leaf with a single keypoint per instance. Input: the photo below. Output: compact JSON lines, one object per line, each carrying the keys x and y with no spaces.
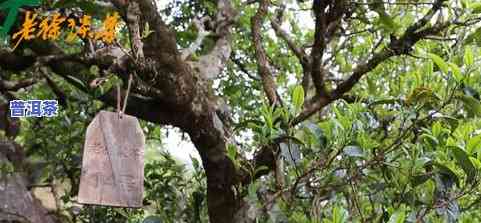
{"x":458,"y":76}
{"x":473,"y":144}
{"x":476,"y":7}
{"x":475,"y":162}
{"x":468,"y":56}
{"x":298,"y":97}
{"x":437,"y":129}
{"x":339,"y":215}
{"x":439,"y":62}
{"x":397,"y":217}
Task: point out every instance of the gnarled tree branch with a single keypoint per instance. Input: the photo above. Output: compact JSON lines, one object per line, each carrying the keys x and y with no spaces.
{"x":268,"y":82}
{"x":396,"y":47}
{"x":299,"y":52}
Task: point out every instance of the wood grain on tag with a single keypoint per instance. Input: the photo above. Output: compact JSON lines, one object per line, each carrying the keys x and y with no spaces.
{"x":113,"y":162}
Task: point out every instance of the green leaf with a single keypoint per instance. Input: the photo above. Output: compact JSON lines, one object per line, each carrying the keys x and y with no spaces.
{"x":476,"y":7}
{"x":353,"y":151}
{"x":261,"y":168}
{"x":267,"y":114}
{"x":428,"y":68}
{"x":468,"y":56}
{"x":387,"y":22}
{"x":147,"y":31}
{"x":121,"y":212}
{"x":469,"y":91}
{"x":371,"y":85}
{"x":419,"y":179}
{"x":338,"y":214}
{"x":232,"y":154}
{"x":397,"y":217}
{"x":473,"y":144}
{"x":94,"y":70}
{"x":421,"y":95}
{"x":384,"y":18}
{"x":474,"y":36}
{"x":475,"y":162}
{"x":447,"y":172}
{"x":456,"y":72}
{"x":463,"y":160}
{"x":439,"y":62}
{"x":298,"y":97}
{"x":252,"y":191}
{"x":437,"y":129}
{"x":430,"y":138}
{"x":250,"y":123}
{"x":152,"y":219}
{"x":472,"y":105}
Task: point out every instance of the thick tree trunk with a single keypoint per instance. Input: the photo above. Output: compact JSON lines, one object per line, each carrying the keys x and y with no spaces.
{"x":16,"y":202}
{"x":208,"y":134}
{"x":166,"y":90}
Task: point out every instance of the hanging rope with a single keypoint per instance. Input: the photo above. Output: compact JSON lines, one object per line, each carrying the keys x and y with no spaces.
{"x":119,"y":111}
{"x":127,"y":94}
{"x":118,"y":98}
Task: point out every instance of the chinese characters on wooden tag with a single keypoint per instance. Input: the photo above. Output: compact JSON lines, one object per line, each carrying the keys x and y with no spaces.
{"x":113,"y":162}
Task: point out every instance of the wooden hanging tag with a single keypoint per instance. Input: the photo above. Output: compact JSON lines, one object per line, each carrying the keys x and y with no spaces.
{"x":113,"y":162}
